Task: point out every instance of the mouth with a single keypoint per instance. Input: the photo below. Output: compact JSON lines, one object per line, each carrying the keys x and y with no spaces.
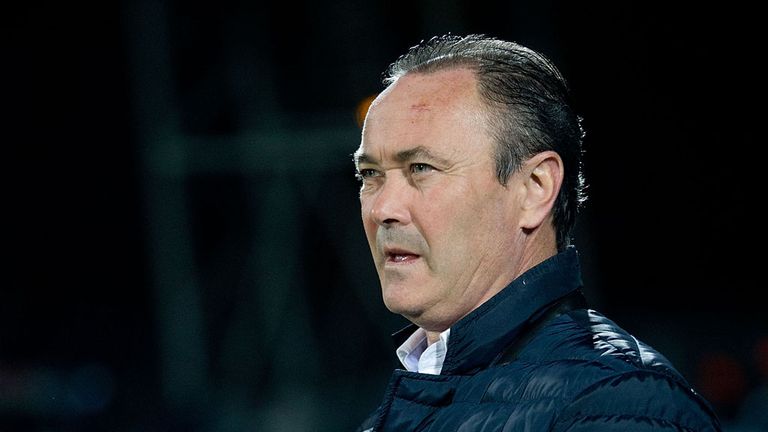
{"x":400,"y":256}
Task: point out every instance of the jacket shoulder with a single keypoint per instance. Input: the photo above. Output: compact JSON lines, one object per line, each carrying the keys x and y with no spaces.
{"x":588,"y":335}
{"x":615,"y":381}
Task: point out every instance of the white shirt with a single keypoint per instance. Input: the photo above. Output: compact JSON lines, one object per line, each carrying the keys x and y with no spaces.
{"x":417,"y":356}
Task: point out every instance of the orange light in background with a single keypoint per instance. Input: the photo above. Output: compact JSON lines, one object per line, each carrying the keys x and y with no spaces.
{"x":362,"y":109}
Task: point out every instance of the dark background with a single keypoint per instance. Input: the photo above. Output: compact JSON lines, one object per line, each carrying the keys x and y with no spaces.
{"x":183,"y":250}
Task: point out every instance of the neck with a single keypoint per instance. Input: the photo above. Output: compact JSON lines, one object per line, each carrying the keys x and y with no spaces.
{"x":432,"y":337}
{"x":540,"y":244}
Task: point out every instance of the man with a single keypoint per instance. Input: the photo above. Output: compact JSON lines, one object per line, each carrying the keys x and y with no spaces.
{"x":470,"y":168}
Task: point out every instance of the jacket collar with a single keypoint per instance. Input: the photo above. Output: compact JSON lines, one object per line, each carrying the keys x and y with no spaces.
{"x":484,"y":333}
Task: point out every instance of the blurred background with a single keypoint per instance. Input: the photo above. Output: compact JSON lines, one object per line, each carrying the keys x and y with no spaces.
{"x":182,"y":235}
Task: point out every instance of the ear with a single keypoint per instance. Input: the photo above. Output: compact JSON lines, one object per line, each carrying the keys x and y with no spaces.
{"x":542,"y":178}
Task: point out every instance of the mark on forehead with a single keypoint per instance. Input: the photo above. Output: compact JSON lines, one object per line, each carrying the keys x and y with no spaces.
{"x":421,"y":107}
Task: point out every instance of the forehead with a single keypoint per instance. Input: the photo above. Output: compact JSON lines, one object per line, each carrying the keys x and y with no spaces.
{"x":437,"y":109}
{"x":440,"y":88}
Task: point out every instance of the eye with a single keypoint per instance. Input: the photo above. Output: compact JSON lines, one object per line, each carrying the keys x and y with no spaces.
{"x":366,"y":173}
{"x":421,"y":168}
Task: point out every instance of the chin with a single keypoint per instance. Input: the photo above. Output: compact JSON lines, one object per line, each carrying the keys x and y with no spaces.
{"x":400,"y":303}
{"x":397,"y":306}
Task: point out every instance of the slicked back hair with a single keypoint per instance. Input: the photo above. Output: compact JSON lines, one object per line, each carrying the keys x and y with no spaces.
{"x":529,"y":108}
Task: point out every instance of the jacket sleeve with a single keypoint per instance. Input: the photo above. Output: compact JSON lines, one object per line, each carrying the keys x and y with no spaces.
{"x":638,"y":401}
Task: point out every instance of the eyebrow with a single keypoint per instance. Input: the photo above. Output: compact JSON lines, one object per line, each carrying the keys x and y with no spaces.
{"x":419,"y":152}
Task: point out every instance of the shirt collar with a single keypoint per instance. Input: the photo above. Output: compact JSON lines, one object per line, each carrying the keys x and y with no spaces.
{"x":417,"y":356}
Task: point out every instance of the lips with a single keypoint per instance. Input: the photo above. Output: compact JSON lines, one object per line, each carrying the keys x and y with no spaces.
{"x":400,"y":256}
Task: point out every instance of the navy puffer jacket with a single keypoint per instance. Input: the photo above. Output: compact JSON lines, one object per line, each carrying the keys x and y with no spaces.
{"x":533,"y":359}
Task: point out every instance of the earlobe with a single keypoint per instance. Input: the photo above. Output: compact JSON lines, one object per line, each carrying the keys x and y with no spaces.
{"x":543,"y":177}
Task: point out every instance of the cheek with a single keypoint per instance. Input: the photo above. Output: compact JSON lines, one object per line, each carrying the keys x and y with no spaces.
{"x":463,"y":225}
{"x":444,"y":227}
{"x":365,"y":210}
{"x":369,"y":225}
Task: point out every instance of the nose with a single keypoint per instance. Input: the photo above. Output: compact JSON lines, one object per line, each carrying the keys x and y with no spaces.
{"x":391,"y":205}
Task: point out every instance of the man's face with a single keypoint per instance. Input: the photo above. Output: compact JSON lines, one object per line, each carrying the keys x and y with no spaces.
{"x":440,"y":226}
